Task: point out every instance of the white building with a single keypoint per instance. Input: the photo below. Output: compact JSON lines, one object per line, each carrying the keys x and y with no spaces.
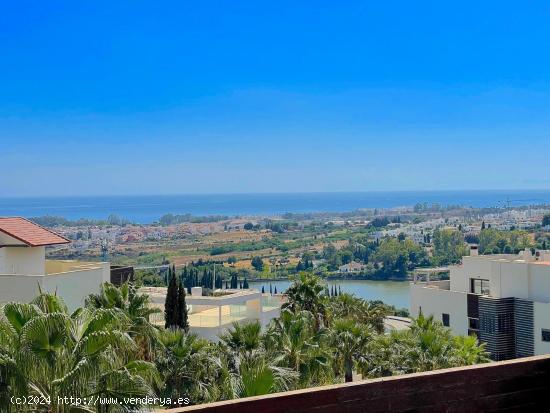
{"x":24,"y":270}
{"x":210,"y":316}
{"x":503,"y":299}
{"x":351,"y":267}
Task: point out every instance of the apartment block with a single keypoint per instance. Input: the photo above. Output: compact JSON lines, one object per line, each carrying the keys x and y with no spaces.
{"x":502,"y":299}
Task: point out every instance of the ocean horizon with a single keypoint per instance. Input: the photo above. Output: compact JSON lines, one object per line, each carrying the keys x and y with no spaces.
{"x":149,"y":208}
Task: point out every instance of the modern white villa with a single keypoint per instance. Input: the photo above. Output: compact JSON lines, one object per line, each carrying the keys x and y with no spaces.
{"x":210,"y":316}
{"x":502,"y":299}
{"x":24,"y":270}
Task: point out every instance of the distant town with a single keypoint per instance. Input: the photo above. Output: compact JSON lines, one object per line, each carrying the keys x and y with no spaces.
{"x":371,"y":244}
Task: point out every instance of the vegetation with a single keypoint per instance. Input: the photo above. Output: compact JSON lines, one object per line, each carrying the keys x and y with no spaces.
{"x":449,"y":246}
{"x":110,"y":348}
{"x":175,"y":308}
{"x":492,"y":241}
{"x":48,"y":353}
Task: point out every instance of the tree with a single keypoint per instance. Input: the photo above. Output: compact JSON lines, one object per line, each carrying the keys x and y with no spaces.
{"x":182,"y":317}
{"x":136,"y":307}
{"x":248,"y":226}
{"x":245,"y":284}
{"x":349,"y":341}
{"x":546,"y":220}
{"x":51,"y":355}
{"x":449,"y":246}
{"x":171,"y":302}
{"x":257,"y":263}
{"x":302,"y":348}
{"x":307,"y":293}
{"x":188,"y":363}
{"x":232,"y":260}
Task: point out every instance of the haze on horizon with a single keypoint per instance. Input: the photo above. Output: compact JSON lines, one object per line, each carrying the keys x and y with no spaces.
{"x":218,"y":97}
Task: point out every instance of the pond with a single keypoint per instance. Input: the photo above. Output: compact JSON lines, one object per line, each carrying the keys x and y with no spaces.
{"x":391,"y":292}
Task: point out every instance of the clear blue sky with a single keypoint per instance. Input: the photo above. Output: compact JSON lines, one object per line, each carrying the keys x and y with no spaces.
{"x":135,"y":97}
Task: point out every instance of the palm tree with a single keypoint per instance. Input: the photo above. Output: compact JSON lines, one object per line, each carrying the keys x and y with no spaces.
{"x":46,"y":352}
{"x":137,"y":307}
{"x":189,"y":365}
{"x":350,"y":340}
{"x":301,"y":347}
{"x":243,"y":338}
{"x":428,"y":345}
{"x":261,"y":374}
{"x":248,"y":368}
{"x":307,"y":293}
{"x":364,"y":312}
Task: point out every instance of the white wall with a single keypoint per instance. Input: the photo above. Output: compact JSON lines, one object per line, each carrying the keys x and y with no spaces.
{"x":541,"y":320}
{"x":21,"y":288}
{"x":436,"y":302}
{"x":22,"y":260}
{"x":72,"y":286}
{"x":514,"y":279}
{"x":75,"y":286}
{"x":539,"y":286}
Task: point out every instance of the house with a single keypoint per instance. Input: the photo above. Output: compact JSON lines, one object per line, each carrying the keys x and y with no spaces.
{"x":210,"y":316}
{"x":24,"y":270}
{"x":502,"y":299}
{"x":351,"y":267}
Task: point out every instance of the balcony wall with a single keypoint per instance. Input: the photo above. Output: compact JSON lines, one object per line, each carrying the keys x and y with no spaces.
{"x":71,"y":280}
{"x":520,"y":385}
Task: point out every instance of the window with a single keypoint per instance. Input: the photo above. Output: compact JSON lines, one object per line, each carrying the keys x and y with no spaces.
{"x":445,"y":319}
{"x":545,"y":335}
{"x":479,"y":286}
{"x":473,"y":323}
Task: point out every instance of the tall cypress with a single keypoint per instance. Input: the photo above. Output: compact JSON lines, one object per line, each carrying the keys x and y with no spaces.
{"x":182,"y":317}
{"x":171,"y":303}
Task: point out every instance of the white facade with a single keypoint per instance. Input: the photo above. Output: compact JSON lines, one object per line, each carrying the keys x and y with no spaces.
{"x":24,"y":272}
{"x":524,"y":276}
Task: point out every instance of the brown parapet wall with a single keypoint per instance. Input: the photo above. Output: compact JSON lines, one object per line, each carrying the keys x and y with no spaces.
{"x":521,"y":385}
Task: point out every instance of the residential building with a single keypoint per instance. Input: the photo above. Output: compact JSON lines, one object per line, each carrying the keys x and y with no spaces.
{"x":24,"y":270}
{"x":210,"y":316}
{"x":351,"y":267}
{"x":502,"y":299}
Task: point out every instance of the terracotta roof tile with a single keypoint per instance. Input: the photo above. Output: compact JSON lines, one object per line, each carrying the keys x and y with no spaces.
{"x":28,"y":232}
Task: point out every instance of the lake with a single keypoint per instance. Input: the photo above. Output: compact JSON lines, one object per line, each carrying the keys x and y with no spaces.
{"x":391,"y":292}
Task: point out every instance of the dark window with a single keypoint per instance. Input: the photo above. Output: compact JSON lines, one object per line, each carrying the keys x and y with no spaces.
{"x":479,"y":286}
{"x":445,"y":319}
{"x":473,"y":323}
{"x":545,"y":335}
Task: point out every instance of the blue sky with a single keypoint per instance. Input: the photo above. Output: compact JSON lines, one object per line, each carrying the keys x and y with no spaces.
{"x":135,"y":97}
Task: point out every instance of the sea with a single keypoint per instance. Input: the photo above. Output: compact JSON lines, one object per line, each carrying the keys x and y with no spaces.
{"x":146,"y":209}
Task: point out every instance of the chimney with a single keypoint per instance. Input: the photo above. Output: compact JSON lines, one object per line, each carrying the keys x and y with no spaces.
{"x":474,"y":251}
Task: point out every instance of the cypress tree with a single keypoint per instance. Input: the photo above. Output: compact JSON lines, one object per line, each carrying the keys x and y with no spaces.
{"x":275,"y":290}
{"x":171,"y":303}
{"x":245,"y":284}
{"x":270,"y":289}
{"x":182,"y":317}
{"x":263,"y":290}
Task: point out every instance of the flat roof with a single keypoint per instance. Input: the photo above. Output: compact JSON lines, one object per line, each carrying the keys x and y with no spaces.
{"x":30,"y":233}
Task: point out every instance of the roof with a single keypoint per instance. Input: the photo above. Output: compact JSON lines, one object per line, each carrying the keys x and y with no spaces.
{"x":28,"y":232}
